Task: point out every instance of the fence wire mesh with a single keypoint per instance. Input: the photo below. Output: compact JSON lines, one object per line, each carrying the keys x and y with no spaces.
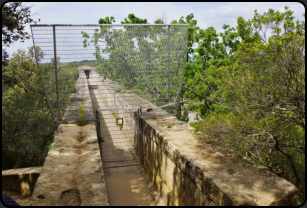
{"x":118,"y":129}
{"x":107,"y":66}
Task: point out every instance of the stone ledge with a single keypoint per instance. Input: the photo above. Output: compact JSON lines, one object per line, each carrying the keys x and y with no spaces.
{"x":21,"y":180}
{"x":22,"y":171}
{"x":226,"y":180}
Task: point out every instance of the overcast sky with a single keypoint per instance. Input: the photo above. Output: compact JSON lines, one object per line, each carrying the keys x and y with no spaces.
{"x":206,"y":13}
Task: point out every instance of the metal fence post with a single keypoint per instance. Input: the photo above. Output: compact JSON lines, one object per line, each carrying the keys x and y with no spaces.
{"x":169,"y":69}
{"x":140,"y":136}
{"x":98,"y":126}
{"x":56,"y":74}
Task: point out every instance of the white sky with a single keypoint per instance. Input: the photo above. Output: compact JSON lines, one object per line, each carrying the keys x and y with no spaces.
{"x":206,"y":13}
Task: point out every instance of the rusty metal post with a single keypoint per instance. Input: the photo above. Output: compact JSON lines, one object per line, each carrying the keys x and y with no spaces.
{"x":56,"y":74}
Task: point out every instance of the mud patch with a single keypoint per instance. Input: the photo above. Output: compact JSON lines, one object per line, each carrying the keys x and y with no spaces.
{"x":81,"y":136}
{"x":41,"y":196}
{"x":78,"y":148}
{"x":70,"y":197}
{"x":62,"y":150}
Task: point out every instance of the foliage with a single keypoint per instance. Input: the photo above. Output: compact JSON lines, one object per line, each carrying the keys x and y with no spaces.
{"x":82,"y":109}
{"x":81,"y":119}
{"x":267,"y":83}
{"x":253,"y":139}
{"x":27,"y":126}
{"x":132,"y":19}
{"x":67,"y":76}
{"x":106,"y":20}
{"x":193,"y":29}
{"x":161,"y":20}
{"x":134,"y":52}
{"x":15,"y":16}
{"x":204,"y":78}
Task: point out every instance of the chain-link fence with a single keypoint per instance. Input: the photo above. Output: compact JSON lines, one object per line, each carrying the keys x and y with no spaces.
{"x":109,"y":66}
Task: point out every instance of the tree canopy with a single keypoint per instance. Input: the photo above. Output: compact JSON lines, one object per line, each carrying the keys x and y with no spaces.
{"x":15,"y":16}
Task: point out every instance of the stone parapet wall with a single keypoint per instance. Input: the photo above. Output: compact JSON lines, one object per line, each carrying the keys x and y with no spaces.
{"x":186,"y":173}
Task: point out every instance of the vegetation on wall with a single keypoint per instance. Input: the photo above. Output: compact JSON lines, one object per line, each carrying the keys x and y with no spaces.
{"x":250,"y":90}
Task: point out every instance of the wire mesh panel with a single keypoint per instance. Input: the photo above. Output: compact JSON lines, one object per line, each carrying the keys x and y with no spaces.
{"x":120,"y":145}
{"x":130,"y":65}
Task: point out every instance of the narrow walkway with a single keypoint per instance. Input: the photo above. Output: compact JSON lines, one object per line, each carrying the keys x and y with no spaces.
{"x":72,"y":173}
{"x":125,"y":185}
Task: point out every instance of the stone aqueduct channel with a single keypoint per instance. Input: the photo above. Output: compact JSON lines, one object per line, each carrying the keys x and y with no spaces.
{"x":183,"y":171}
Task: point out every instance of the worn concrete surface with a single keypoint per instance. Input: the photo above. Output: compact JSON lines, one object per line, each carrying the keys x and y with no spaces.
{"x":73,"y":164}
{"x":126,"y":187}
{"x":72,"y":173}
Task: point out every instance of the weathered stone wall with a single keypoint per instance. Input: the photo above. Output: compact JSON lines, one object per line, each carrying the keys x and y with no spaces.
{"x":21,"y":180}
{"x":185,"y":172}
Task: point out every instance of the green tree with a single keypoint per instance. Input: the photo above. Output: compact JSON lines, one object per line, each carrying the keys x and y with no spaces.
{"x":161,"y":20}
{"x":15,"y":16}
{"x":27,"y":126}
{"x":134,"y":52}
{"x":193,"y":30}
{"x":204,"y":78}
{"x":106,"y":20}
{"x":132,"y":19}
{"x":268,"y":83}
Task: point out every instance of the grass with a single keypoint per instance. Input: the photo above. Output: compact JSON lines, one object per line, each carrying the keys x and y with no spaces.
{"x":124,"y":90}
{"x":114,"y":115}
{"x":82,"y":109}
{"x":169,"y":126}
{"x":49,"y":146}
{"x":81,"y":119}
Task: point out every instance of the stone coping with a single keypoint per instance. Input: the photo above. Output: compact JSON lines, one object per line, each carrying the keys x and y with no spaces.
{"x":18,"y":171}
{"x":226,"y":179}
